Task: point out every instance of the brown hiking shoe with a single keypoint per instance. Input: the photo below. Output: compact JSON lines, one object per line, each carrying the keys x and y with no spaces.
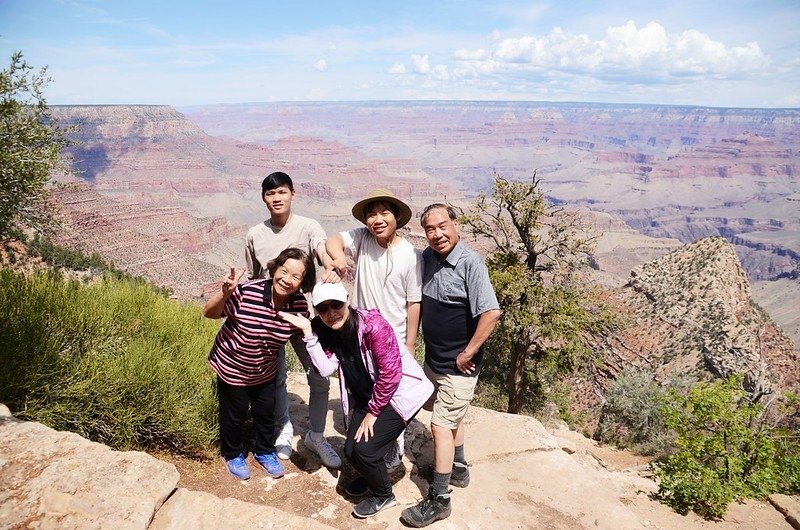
{"x":433,"y":508}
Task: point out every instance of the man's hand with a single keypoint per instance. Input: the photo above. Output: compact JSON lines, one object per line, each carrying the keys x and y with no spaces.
{"x":464,"y":363}
{"x":330,"y":276}
{"x":339,"y":265}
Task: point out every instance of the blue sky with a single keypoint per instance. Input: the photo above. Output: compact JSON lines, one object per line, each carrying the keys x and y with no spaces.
{"x":725,"y":54}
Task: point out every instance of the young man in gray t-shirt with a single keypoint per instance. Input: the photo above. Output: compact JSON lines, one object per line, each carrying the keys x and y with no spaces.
{"x":264,"y":242}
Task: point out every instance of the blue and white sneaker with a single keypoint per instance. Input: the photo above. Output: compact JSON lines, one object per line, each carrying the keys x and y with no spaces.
{"x":237,"y":466}
{"x":270,"y":462}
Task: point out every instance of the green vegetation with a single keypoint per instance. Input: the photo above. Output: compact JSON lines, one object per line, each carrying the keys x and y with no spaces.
{"x":114,"y":361}
{"x":60,"y":257}
{"x":728,"y":447}
{"x":632,"y":416}
{"x":550,"y":313}
{"x":30,"y":147}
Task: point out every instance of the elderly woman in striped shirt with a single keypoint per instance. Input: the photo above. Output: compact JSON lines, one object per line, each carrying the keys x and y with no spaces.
{"x":245,"y":354}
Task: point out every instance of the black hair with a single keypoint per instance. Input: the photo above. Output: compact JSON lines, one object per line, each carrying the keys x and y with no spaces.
{"x":389,"y":204}
{"x":331,"y":339}
{"x":310,"y":274}
{"x":276,"y":180}
{"x":451,"y":212}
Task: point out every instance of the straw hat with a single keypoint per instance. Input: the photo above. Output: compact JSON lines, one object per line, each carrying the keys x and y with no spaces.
{"x":403,"y":210}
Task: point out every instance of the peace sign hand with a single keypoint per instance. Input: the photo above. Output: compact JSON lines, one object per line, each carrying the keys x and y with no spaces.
{"x":229,"y":282}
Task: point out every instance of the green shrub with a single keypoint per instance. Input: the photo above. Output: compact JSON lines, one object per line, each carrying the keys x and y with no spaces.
{"x":115,"y":361}
{"x":726,"y":450}
{"x":60,"y":257}
{"x":632,"y":417}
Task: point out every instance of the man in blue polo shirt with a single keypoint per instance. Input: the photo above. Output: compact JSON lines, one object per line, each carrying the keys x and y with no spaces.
{"x":459,"y":312}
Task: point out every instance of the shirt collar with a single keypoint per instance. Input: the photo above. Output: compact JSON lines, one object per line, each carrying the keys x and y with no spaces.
{"x":268,"y":293}
{"x":455,"y":254}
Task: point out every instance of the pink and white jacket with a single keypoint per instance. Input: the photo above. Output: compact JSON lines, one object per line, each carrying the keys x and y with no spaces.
{"x":397,"y":377}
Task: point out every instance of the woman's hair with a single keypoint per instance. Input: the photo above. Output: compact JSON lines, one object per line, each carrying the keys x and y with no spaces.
{"x":310,"y":274}
{"x":350,"y":328}
{"x":348,"y":332}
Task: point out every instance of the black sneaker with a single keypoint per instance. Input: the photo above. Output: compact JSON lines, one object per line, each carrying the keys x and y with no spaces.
{"x":357,"y":487}
{"x":372,"y":505}
{"x":432,"y":509}
{"x":459,"y":475}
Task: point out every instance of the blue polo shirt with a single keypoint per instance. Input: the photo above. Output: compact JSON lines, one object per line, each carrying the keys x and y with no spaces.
{"x":456,"y":291}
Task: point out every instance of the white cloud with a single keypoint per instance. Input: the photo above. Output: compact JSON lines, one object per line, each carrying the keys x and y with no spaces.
{"x":440,"y":72}
{"x":647,"y":53}
{"x":321,"y":65}
{"x":419,"y":64}
{"x":470,"y":55}
{"x":397,"y":68}
{"x":792,"y":100}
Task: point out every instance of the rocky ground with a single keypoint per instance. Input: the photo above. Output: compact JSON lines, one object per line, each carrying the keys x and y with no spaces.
{"x":523,"y":476}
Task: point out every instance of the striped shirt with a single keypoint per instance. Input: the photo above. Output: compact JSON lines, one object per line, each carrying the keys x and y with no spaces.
{"x":245,"y":352}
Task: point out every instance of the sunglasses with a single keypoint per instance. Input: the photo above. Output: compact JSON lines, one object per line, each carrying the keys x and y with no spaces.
{"x":335,"y":305}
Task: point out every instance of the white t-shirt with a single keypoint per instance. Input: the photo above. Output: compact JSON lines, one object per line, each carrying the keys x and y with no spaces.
{"x":385,"y":278}
{"x":264,"y":242}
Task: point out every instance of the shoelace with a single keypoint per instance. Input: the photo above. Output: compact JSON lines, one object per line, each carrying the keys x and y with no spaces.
{"x":326,"y":447}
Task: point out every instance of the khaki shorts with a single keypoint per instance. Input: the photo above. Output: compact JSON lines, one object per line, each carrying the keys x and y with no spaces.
{"x":451,"y":397}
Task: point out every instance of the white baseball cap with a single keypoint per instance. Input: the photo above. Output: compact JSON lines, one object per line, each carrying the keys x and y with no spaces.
{"x":328,"y":291}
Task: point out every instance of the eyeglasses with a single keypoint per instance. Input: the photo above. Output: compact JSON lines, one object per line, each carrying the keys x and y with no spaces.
{"x":321,"y":309}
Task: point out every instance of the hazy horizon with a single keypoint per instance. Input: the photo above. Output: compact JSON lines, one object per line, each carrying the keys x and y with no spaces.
{"x":733,"y":54}
{"x":425,"y":101}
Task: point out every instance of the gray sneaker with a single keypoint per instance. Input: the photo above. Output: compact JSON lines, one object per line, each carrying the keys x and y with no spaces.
{"x":394,"y":457}
{"x":324,"y":451}
{"x":459,"y":476}
{"x":372,"y":505}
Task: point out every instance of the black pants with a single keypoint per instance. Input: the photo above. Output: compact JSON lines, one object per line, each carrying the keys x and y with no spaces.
{"x":367,"y":457}
{"x":233,"y":405}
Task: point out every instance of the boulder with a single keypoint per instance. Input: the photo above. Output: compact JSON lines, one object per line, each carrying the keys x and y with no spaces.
{"x":54,"y":479}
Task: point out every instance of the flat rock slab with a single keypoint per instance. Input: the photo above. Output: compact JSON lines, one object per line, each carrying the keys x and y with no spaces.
{"x":52,"y":479}
{"x":189,"y":510}
{"x":789,"y":506}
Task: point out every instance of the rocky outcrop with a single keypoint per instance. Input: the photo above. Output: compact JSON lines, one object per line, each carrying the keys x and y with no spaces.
{"x":56,"y":479}
{"x":189,"y":510}
{"x":156,"y":243}
{"x":691,"y":313}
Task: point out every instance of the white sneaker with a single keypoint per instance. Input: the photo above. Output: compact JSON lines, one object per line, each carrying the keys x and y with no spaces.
{"x":324,"y":450}
{"x":283,"y":443}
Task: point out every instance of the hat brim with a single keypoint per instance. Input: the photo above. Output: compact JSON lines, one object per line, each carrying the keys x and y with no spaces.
{"x":403,"y":210}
